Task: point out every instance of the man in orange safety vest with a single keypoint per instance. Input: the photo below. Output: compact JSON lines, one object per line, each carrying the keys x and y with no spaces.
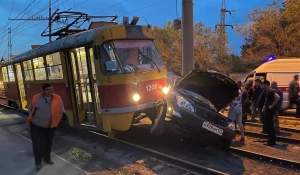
{"x":45,"y":113}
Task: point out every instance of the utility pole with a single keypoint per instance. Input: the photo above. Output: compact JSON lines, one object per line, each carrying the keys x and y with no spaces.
{"x":187,"y":36}
{"x":49,"y":18}
{"x":222,"y":25}
{"x":9,"y":44}
{"x":50,"y":23}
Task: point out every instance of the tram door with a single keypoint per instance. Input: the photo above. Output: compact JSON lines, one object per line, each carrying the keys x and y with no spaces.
{"x":21,"y":85}
{"x":82,"y":88}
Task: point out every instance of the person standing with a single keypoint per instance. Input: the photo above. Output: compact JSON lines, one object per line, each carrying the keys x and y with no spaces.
{"x":256,"y":93}
{"x":235,"y":111}
{"x":246,"y":102}
{"x":293,"y":94}
{"x":272,"y":99}
{"x":260,"y":105}
{"x":45,"y":113}
{"x":277,"y":108}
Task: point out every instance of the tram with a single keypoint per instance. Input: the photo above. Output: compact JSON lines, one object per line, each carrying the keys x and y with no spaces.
{"x":106,"y":76}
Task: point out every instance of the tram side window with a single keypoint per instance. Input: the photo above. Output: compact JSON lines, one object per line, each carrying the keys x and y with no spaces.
{"x":11,"y":74}
{"x":54,"y":67}
{"x":28,"y":70}
{"x":39,"y":68}
{"x":5,"y":74}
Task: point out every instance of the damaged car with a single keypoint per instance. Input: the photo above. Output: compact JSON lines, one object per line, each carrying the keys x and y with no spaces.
{"x":194,"y":103}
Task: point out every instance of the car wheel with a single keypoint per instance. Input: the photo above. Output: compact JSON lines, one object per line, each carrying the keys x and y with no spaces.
{"x":158,"y":125}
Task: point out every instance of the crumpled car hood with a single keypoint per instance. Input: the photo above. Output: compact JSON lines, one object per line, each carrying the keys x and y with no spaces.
{"x":218,"y":88}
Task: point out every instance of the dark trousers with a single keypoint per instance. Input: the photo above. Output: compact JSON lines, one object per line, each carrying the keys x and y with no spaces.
{"x":41,"y":142}
{"x":263,"y":119}
{"x":270,"y":126}
{"x":294,"y":100}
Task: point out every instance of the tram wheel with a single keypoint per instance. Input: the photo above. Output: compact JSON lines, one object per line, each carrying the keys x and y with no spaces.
{"x":158,"y":125}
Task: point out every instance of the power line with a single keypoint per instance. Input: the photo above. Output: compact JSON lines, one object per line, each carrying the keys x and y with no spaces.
{"x":17,"y":27}
{"x":78,"y":4}
{"x":145,"y":7}
{"x":9,"y":30}
{"x":109,"y":7}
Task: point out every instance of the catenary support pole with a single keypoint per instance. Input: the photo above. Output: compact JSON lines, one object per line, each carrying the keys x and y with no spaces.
{"x":188,"y":36}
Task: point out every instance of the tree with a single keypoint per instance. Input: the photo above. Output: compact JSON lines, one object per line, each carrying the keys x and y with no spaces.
{"x":272,"y":31}
{"x":206,"y":48}
{"x":168,"y":42}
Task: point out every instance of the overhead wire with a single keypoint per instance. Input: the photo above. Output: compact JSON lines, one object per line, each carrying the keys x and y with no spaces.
{"x":78,"y":4}
{"x":17,"y":27}
{"x":17,"y":16}
{"x":144,"y":7}
{"x":42,"y":9}
{"x":110,"y":7}
{"x":7,"y":21}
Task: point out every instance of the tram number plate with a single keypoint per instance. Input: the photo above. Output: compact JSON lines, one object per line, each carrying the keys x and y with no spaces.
{"x":212,"y":128}
{"x":151,"y":87}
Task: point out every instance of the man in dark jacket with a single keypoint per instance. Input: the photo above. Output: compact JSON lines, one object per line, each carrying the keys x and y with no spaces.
{"x":277,"y":108}
{"x":272,"y":99}
{"x":257,"y":91}
{"x":260,"y":105}
{"x":293,"y":94}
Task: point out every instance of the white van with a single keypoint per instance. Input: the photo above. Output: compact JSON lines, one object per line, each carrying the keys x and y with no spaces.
{"x":281,"y":70}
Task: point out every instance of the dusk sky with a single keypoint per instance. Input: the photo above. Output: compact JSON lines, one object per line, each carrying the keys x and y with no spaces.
{"x":156,"y":12}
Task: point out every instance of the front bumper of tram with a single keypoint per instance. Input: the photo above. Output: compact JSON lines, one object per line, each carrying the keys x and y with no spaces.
{"x":155,"y":111}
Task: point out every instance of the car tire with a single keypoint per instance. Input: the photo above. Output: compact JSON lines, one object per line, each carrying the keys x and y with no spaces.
{"x":158,"y":125}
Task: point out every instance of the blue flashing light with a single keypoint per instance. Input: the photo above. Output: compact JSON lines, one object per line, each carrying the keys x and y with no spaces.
{"x":270,"y":58}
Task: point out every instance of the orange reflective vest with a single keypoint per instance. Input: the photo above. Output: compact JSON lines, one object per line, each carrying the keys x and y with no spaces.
{"x":55,"y":109}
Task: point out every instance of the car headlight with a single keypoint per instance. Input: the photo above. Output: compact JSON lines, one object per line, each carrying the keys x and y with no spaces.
{"x":231,"y":126}
{"x":184,"y":103}
{"x":136,"y":97}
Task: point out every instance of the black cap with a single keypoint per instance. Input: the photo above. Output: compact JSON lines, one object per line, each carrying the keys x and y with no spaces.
{"x":266,"y":82}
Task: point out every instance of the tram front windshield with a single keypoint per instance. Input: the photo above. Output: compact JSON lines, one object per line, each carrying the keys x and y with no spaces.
{"x":140,"y":53}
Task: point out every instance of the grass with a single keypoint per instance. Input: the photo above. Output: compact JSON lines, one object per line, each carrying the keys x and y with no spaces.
{"x":81,"y":154}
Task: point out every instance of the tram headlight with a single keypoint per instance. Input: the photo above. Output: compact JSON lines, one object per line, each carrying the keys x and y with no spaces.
{"x":136,"y":97}
{"x":166,"y":90}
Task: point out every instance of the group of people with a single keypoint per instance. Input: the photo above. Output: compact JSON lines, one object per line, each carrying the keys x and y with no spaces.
{"x":266,"y":100}
{"x":47,"y":110}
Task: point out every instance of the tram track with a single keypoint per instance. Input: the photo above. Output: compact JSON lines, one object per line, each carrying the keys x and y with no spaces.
{"x":294,"y":130}
{"x":199,"y":169}
{"x":177,"y":162}
{"x":290,"y":164}
{"x":278,"y":138}
{"x":266,"y":159}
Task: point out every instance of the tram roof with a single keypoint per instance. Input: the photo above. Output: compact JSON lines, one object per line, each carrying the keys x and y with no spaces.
{"x":71,"y":41}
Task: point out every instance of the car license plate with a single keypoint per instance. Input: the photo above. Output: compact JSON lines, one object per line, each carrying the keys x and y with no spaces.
{"x":212,"y":128}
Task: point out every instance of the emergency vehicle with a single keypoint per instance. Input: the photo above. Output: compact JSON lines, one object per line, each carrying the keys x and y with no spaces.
{"x":281,"y":70}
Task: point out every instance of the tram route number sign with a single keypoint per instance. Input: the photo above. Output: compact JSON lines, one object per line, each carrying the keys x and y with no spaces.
{"x":151,"y":87}
{"x":212,"y":128}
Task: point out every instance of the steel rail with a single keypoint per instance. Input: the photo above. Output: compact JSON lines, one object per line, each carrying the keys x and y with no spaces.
{"x":278,"y":138}
{"x":267,"y":159}
{"x":186,"y":165}
{"x":295,"y":130}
